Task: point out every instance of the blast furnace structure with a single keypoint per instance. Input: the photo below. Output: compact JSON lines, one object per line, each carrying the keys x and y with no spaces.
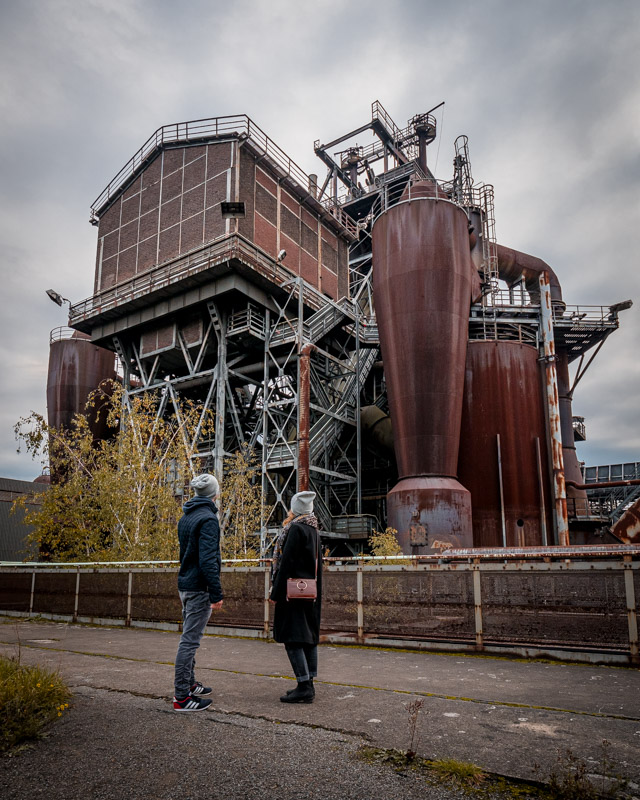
{"x":365,"y":334}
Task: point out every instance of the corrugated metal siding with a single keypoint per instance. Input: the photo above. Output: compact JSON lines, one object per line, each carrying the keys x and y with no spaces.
{"x":13,"y":531}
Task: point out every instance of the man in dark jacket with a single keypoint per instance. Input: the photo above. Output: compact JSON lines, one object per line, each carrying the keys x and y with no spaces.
{"x":198,"y":585}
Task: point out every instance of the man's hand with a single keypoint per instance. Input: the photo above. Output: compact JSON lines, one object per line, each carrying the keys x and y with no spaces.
{"x":273,"y":602}
{"x":217,"y":605}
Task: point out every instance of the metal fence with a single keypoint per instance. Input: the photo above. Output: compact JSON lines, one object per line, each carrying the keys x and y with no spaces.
{"x":568,"y":607}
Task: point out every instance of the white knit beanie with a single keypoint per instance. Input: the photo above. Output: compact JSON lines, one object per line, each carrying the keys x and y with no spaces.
{"x":205,"y":485}
{"x":302,"y":503}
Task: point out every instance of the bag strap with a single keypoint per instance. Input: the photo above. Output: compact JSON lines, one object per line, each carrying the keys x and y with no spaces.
{"x":317,"y":548}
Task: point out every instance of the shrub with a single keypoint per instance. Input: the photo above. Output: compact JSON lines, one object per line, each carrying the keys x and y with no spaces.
{"x":30,"y":698}
{"x":386,"y":543}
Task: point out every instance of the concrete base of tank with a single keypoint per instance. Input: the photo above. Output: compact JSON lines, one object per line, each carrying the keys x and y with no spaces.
{"x":430,"y":514}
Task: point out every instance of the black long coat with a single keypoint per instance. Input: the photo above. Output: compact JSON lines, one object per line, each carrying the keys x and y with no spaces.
{"x":297,"y":620}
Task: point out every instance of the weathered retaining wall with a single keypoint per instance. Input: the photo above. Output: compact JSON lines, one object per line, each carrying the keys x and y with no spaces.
{"x":578,"y":609}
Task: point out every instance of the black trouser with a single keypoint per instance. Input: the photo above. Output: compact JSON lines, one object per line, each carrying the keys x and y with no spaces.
{"x":304,"y":659}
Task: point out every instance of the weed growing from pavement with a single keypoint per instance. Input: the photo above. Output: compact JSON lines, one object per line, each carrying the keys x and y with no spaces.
{"x":473,"y":780}
{"x":413,"y":711}
{"x":571,"y":778}
{"x":31,"y":697}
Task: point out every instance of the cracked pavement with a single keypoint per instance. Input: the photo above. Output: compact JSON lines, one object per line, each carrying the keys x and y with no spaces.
{"x":504,"y":715}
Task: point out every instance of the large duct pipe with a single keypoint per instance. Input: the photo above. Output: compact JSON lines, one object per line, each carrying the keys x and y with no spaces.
{"x":422,"y":274}
{"x":376,"y":426}
{"x":514,"y":266}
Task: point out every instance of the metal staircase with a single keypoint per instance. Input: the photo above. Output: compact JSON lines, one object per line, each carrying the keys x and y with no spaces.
{"x":624,"y":503}
{"x":325,"y":433}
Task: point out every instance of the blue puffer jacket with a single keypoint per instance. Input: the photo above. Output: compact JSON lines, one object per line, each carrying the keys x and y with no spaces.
{"x":199,"y":535}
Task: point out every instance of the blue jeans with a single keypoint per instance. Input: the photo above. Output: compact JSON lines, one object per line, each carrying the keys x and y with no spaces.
{"x":304,"y":660}
{"x":196,"y":610}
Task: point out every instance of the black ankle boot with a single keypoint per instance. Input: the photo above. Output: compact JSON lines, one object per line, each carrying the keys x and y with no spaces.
{"x":313,"y":688}
{"x":303,"y":693}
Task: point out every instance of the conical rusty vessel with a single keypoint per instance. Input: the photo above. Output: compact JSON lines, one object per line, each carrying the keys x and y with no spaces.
{"x":423,"y":279}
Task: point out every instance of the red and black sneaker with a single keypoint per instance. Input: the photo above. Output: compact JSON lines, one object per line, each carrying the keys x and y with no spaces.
{"x":199,"y":689}
{"x":190,"y":703}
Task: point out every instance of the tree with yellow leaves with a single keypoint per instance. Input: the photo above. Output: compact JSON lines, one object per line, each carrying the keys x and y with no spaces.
{"x":385,"y":543}
{"x":241,"y":504}
{"x":117,"y":498}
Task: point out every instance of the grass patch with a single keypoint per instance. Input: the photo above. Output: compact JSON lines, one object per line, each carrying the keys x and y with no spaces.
{"x":30,"y":699}
{"x":473,"y":780}
{"x":461,"y":772}
{"x":569,"y":778}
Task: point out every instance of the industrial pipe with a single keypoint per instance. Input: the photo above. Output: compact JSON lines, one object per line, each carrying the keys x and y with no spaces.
{"x":553,"y":406}
{"x":377,"y":425}
{"x":514,"y":265}
{"x":604,"y":484}
{"x":572,"y":473}
{"x":304,"y":414}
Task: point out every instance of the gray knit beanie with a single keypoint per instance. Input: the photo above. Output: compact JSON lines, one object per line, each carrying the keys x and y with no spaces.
{"x":302,"y":503}
{"x":205,"y":485}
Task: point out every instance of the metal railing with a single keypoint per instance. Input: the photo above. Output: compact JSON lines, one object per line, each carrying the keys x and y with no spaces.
{"x":584,"y":315}
{"x":63,"y":333}
{"x":169,"y":273}
{"x":196,"y":130}
{"x":238,"y":126}
{"x":571,"y":603}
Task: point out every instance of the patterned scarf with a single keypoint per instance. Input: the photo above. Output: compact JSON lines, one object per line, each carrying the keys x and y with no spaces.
{"x":305,"y":519}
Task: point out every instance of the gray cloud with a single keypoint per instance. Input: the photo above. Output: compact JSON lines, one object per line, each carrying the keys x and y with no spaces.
{"x":547,"y":92}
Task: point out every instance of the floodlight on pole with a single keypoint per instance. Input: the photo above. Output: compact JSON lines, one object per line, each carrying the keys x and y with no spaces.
{"x":58,"y":299}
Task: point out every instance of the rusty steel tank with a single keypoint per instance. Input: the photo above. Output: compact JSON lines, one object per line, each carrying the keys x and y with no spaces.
{"x":503,"y":457}
{"x":76,"y":368}
{"x":422,"y":279}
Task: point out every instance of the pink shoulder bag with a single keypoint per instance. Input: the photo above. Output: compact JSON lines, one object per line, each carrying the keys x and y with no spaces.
{"x":303,"y":588}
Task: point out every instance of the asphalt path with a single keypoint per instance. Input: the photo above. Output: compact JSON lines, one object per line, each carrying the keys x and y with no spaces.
{"x":122,"y":738}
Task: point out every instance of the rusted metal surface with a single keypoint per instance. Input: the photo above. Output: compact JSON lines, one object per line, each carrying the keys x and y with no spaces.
{"x":553,"y":412}
{"x":422,"y":273}
{"x":304,"y":417}
{"x":575,"y":552}
{"x":632,"y":614}
{"x":503,"y":397}
{"x":514,"y":265}
{"x":627,"y":528}
{"x":438,"y":507}
{"x":572,"y":471}
{"x":102,"y":595}
{"x":477,"y":604}
{"x":76,"y":368}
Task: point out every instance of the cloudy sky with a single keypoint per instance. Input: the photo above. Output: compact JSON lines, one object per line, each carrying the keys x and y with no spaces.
{"x":548,"y":93}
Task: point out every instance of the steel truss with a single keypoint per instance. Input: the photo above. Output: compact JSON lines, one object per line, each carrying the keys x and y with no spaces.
{"x":245,"y":368}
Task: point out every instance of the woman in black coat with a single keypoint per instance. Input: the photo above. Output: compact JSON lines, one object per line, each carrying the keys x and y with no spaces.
{"x":296,"y":623}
